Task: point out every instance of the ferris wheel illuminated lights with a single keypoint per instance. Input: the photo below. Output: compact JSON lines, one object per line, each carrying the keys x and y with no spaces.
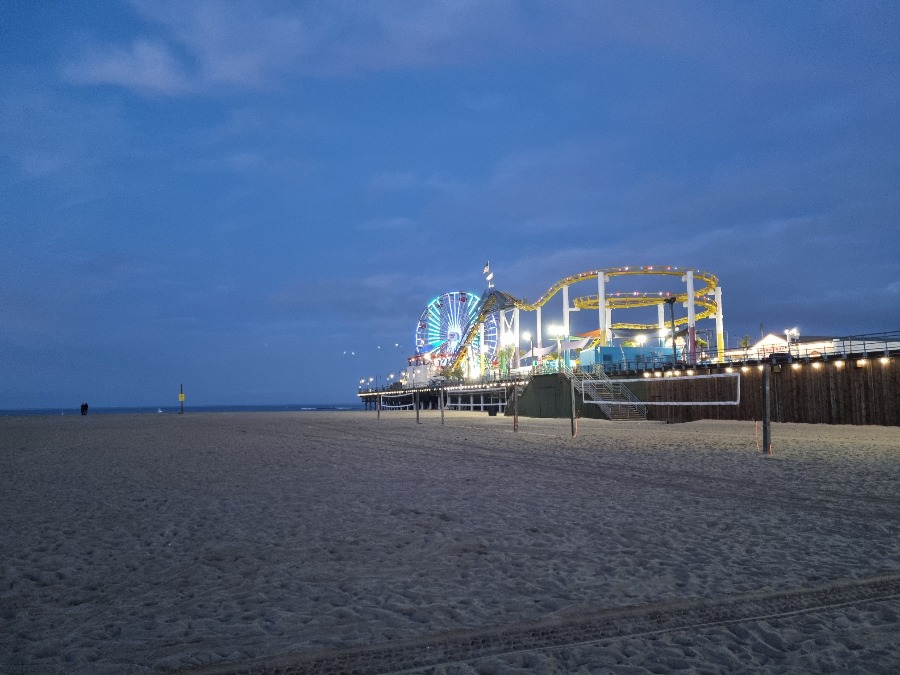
{"x":446,"y":322}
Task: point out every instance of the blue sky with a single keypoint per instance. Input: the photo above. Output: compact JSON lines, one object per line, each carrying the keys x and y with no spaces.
{"x":237,"y":195}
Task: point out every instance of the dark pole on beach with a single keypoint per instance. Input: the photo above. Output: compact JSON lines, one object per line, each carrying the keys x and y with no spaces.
{"x":441,"y":402}
{"x":572,"y":396}
{"x":515,"y":406}
{"x":417,"y":408}
{"x":766,"y":415}
{"x":378,"y":407}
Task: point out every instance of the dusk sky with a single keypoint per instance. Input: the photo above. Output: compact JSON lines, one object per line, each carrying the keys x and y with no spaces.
{"x":258,"y":199}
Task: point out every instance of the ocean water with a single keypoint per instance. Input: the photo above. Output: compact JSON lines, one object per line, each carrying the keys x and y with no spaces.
{"x":155,"y":410}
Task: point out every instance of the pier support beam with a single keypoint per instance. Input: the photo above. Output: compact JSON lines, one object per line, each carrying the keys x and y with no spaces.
{"x":605,"y":314}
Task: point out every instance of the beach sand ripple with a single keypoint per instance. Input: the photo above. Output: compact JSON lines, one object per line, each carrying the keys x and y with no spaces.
{"x":225,"y":542}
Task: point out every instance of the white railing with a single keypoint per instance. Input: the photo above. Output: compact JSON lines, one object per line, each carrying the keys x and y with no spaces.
{"x":599,"y":386}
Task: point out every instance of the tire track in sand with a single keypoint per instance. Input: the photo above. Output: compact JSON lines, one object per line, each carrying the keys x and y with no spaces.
{"x":569,"y":631}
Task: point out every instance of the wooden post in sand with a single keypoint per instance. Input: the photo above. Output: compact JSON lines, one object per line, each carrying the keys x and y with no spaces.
{"x":572,"y":395}
{"x":515,"y":407}
{"x":441,"y":402}
{"x":378,"y":407}
{"x":766,"y":416}
{"x":417,"y":408}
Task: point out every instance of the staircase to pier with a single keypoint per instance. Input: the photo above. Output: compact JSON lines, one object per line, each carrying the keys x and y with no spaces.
{"x":616,"y":400}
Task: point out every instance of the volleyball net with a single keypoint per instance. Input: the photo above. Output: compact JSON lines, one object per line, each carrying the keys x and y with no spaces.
{"x":393,"y":401}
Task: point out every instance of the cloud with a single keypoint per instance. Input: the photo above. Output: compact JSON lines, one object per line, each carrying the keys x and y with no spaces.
{"x":203,"y":45}
{"x":398,"y":223}
{"x":146,"y":66}
{"x":394,"y":181}
{"x":408,"y":181}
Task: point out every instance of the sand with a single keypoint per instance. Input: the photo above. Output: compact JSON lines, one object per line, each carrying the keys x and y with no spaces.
{"x":330,"y":542}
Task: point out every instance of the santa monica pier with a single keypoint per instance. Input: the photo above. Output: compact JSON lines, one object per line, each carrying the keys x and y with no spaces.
{"x":653,"y":350}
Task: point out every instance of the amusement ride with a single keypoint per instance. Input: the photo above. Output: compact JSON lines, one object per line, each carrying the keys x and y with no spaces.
{"x":463,"y":327}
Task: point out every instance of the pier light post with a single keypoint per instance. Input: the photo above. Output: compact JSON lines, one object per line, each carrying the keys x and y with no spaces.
{"x":528,"y":336}
{"x":671,"y":303}
{"x":557,"y":331}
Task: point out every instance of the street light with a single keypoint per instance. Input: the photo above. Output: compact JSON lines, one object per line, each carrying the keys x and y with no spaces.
{"x":558,"y":332}
{"x":671,"y":303}
{"x":529,"y":337}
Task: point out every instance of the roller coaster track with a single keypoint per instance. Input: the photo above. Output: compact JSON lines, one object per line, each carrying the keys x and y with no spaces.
{"x":628,"y":300}
{"x":494,"y":300}
{"x":574,"y":631}
{"x":491,"y":301}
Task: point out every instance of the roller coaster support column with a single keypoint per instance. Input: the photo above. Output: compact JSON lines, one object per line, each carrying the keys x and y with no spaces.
{"x":692,"y":318}
{"x":720,"y":327}
{"x":518,"y":362}
{"x":661,"y":318}
{"x":566,"y":322}
{"x":538,"y":328}
{"x":604,"y":313}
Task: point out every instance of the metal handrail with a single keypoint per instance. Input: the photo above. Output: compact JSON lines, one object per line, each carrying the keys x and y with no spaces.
{"x":616,"y":390}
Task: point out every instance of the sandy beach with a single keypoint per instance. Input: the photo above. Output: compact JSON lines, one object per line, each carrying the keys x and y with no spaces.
{"x":336,"y":542}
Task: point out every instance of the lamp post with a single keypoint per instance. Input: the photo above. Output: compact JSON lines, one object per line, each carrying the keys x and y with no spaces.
{"x":557,"y":331}
{"x":671,"y":303}
{"x":529,"y":337}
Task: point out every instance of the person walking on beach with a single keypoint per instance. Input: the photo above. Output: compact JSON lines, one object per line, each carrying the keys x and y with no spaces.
{"x":84,"y":408}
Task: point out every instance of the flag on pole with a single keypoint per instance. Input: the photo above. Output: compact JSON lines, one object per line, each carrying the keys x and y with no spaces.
{"x":487,"y":267}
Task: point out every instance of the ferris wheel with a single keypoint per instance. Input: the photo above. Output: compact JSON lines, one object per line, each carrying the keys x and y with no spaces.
{"x":447,"y":320}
